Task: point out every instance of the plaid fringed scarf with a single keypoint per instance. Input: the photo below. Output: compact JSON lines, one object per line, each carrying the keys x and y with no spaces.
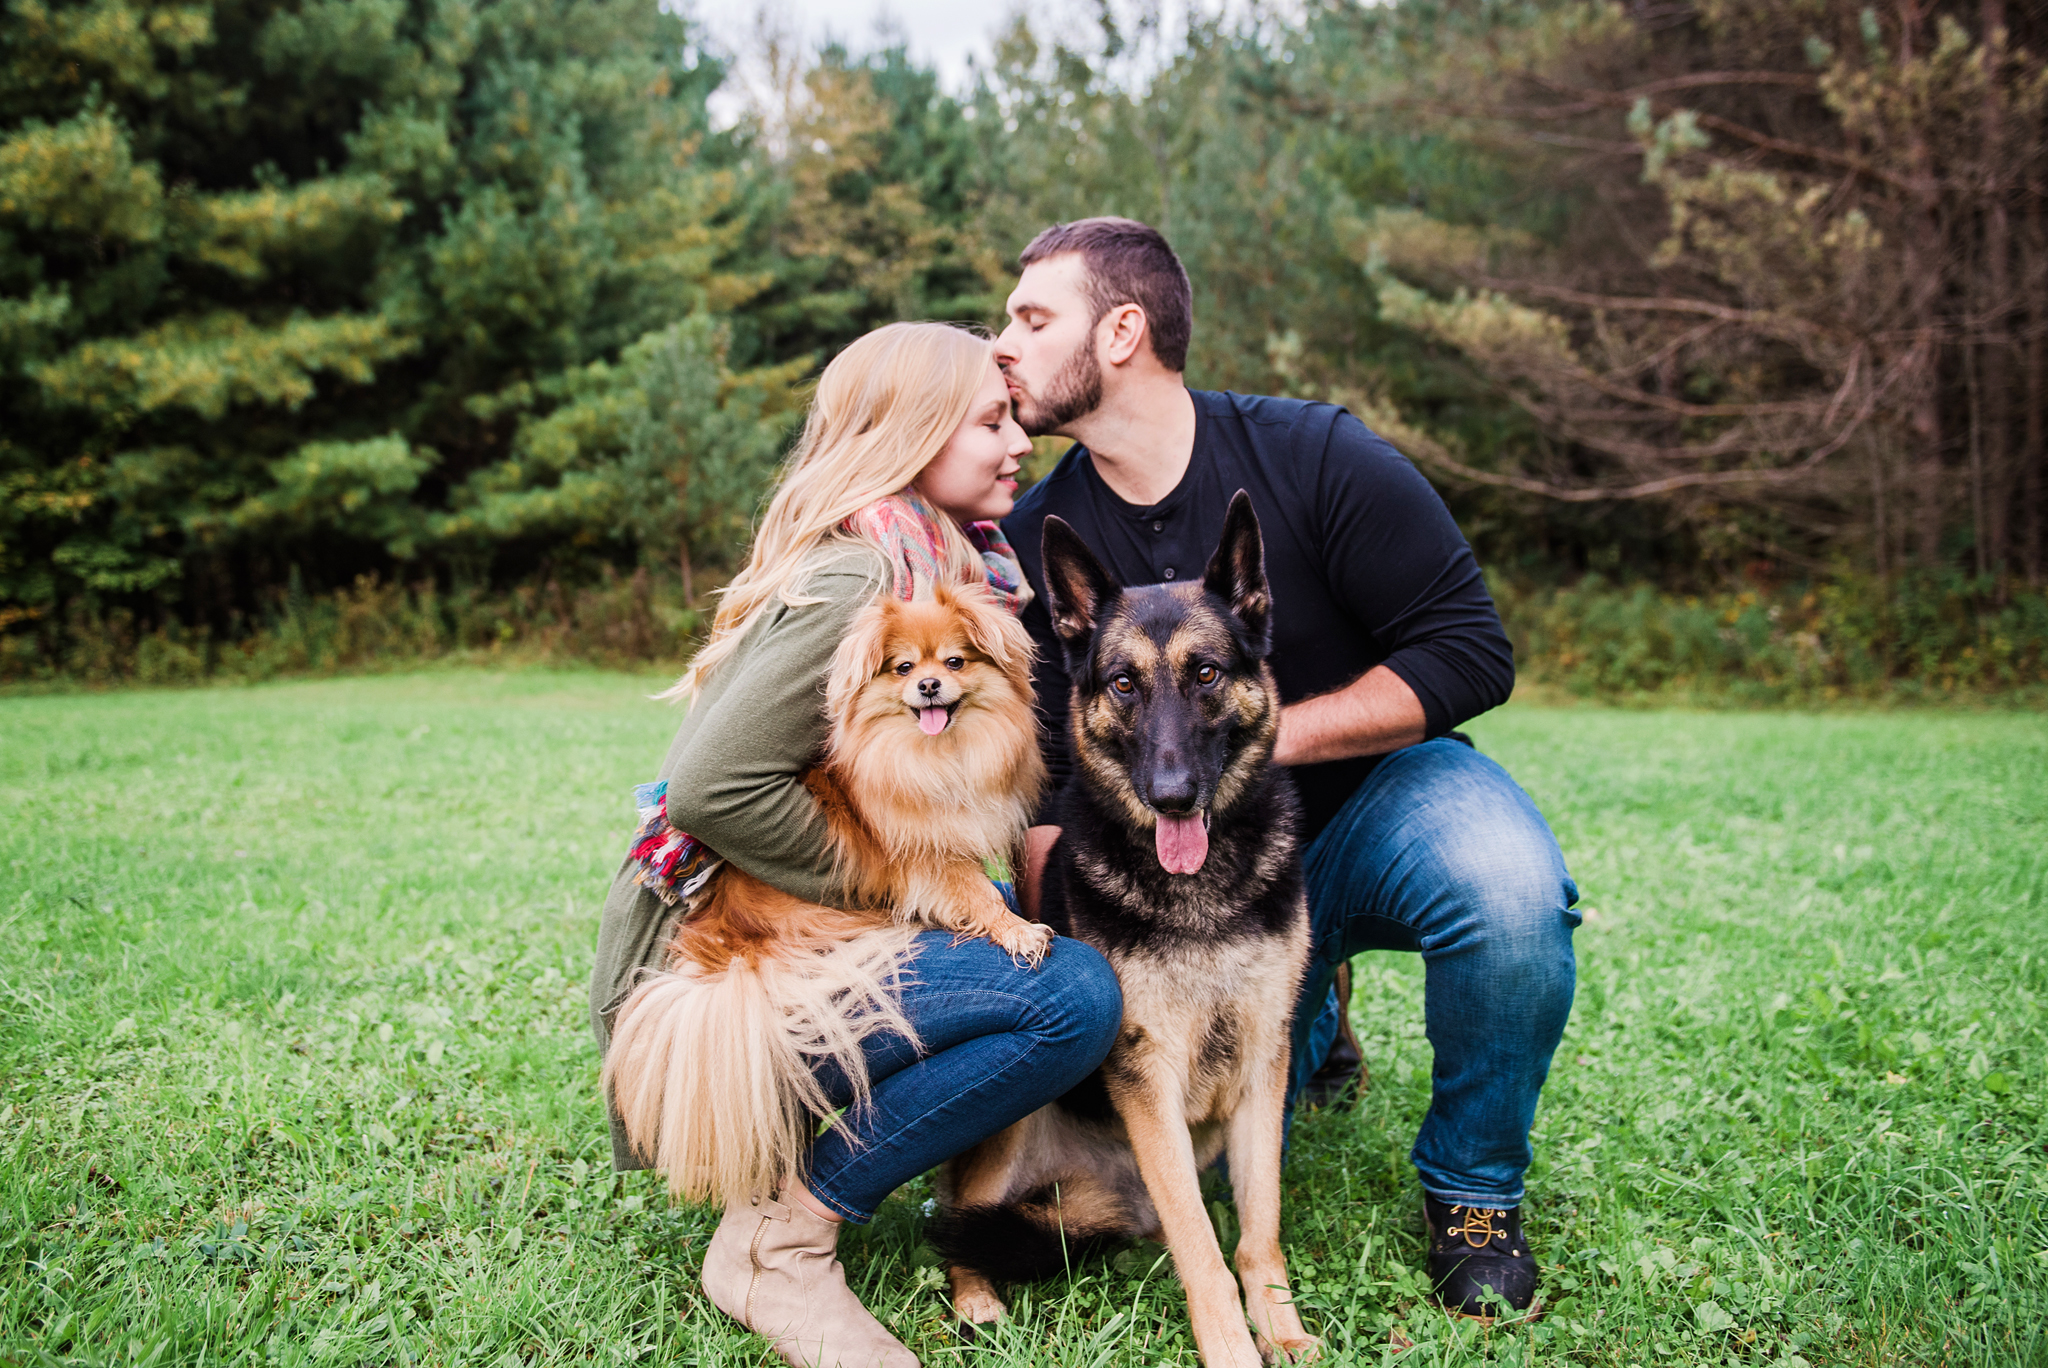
{"x":674,"y":865}
{"x":910,"y":533}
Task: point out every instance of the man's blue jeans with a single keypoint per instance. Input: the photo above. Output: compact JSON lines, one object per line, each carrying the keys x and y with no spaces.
{"x":1000,"y":1041}
{"x":1440,"y":851}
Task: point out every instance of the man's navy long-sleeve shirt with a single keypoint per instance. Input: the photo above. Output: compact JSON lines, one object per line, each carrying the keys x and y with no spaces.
{"x":1366,"y":566}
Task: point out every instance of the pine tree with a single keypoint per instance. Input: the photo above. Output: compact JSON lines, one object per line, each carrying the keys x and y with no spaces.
{"x":1799,"y":305}
{"x":285,"y":284}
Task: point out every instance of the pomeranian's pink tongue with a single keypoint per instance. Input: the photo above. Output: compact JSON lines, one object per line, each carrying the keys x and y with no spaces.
{"x":1183,"y":843}
{"x":932,"y":721}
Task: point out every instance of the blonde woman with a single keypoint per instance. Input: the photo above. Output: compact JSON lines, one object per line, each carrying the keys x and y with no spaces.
{"x":907,"y":458}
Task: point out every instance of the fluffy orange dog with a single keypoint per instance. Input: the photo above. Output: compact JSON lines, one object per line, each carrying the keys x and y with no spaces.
{"x":933,"y":772}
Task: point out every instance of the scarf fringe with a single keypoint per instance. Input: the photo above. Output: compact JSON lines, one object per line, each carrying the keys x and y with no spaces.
{"x":673,"y":865}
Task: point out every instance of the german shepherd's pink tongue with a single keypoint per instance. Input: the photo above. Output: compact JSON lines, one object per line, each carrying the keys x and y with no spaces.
{"x":932,"y":721}
{"x":1183,"y":842}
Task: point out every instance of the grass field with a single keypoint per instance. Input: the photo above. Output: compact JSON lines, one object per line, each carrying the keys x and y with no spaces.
{"x":296,"y":1065}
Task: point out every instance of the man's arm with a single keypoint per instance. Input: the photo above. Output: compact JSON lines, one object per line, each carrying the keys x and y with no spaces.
{"x":1402,"y":571}
{"x":1374,"y":714}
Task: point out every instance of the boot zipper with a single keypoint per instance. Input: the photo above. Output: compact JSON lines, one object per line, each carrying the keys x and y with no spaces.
{"x":754,"y":1275}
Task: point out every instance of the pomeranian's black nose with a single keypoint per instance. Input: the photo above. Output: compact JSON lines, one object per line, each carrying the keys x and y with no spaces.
{"x":928,"y":687}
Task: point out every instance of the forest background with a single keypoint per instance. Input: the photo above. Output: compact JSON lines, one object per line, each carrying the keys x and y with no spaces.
{"x":349,"y":331}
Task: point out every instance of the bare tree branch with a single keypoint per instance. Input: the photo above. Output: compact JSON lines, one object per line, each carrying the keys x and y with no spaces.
{"x":1594,"y":101}
{"x":1827,"y":156}
{"x":1419,"y":444}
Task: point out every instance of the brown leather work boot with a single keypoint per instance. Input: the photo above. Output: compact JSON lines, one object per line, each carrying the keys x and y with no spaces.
{"x":771,"y":1267}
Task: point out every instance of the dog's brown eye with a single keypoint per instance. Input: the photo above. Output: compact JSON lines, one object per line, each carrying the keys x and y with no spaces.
{"x":955,"y":663}
{"x":903,"y":668}
{"x":1207,"y":674}
{"x":1122,"y":684}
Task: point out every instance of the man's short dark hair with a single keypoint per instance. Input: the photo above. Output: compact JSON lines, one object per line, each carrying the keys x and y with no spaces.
{"x":1128,"y":263}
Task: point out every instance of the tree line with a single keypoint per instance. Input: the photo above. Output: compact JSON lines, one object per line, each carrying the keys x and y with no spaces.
{"x":479,"y":296}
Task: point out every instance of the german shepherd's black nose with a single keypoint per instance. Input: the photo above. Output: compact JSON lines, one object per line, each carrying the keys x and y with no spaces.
{"x":1162,"y":762}
{"x":928,"y":687}
{"x":1166,"y":778}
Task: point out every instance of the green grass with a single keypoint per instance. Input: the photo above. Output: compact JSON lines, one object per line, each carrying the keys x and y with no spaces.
{"x":296,"y":1063}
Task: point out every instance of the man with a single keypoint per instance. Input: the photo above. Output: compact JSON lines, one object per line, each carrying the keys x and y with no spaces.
{"x":1384,"y":640}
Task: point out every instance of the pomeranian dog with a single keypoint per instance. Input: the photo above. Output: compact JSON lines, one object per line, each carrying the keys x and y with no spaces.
{"x":931,"y":775}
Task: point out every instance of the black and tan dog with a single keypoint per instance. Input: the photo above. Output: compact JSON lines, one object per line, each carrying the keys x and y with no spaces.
{"x":1179,"y":860}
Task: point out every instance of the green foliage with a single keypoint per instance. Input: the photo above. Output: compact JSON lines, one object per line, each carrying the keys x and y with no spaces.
{"x":360,"y":488}
{"x":371,"y":626}
{"x":305,"y":285}
{"x":1724,"y":324}
{"x":208,"y":363}
{"x":79,"y":177}
{"x":1934,"y":637}
{"x":664,"y":448}
{"x":1251,"y":151}
{"x":423,"y":290}
{"x":866,"y":215}
{"x":304,"y":1073}
{"x":1842,"y":640}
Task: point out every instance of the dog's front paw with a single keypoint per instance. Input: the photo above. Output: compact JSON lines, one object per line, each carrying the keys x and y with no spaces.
{"x":1290,"y":1349}
{"x":974,"y":1301}
{"x":1027,"y":941}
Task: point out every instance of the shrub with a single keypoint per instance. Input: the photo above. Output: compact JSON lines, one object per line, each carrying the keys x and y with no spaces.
{"x":619,"y":621}
{"x":1929,"y":635}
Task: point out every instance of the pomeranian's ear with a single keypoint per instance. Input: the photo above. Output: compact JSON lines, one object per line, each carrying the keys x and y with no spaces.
{"x":1237,"y":573}
{"x":1076,"y":586}
{"x":860,"y":655}
{"x":992,"y":629}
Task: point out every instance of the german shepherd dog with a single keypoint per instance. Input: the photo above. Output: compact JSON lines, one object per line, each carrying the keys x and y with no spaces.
{"x":1179,"y":860}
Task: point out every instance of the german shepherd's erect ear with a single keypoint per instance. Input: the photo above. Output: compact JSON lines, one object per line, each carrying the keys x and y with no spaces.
{"x":1076,"y":587}
{"x":1237,"y":574}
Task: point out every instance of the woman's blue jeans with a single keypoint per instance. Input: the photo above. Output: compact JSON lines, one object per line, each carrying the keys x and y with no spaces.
{"x":999,"y":1042}
{"x":1439,"y":851}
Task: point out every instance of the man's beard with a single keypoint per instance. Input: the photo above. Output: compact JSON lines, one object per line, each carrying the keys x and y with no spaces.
{"x":1074,"y":392}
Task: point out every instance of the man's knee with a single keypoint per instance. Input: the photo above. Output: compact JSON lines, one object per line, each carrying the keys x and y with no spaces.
{"x":1510,"y":899}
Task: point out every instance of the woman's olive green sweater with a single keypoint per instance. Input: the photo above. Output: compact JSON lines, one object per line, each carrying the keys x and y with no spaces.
{"x":734,"y":770}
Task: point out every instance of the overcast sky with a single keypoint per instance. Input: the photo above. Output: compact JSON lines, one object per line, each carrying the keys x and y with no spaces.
{"x":941,"y":32}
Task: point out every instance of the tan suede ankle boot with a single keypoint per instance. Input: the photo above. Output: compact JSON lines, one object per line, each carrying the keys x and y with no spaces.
{"x":771,"y":1267}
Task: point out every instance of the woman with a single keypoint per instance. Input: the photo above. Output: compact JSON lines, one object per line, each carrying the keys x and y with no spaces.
{"x":911,"y":430}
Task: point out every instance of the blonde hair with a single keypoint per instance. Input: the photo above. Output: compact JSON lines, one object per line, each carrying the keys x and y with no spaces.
{"x":884,"y":408}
